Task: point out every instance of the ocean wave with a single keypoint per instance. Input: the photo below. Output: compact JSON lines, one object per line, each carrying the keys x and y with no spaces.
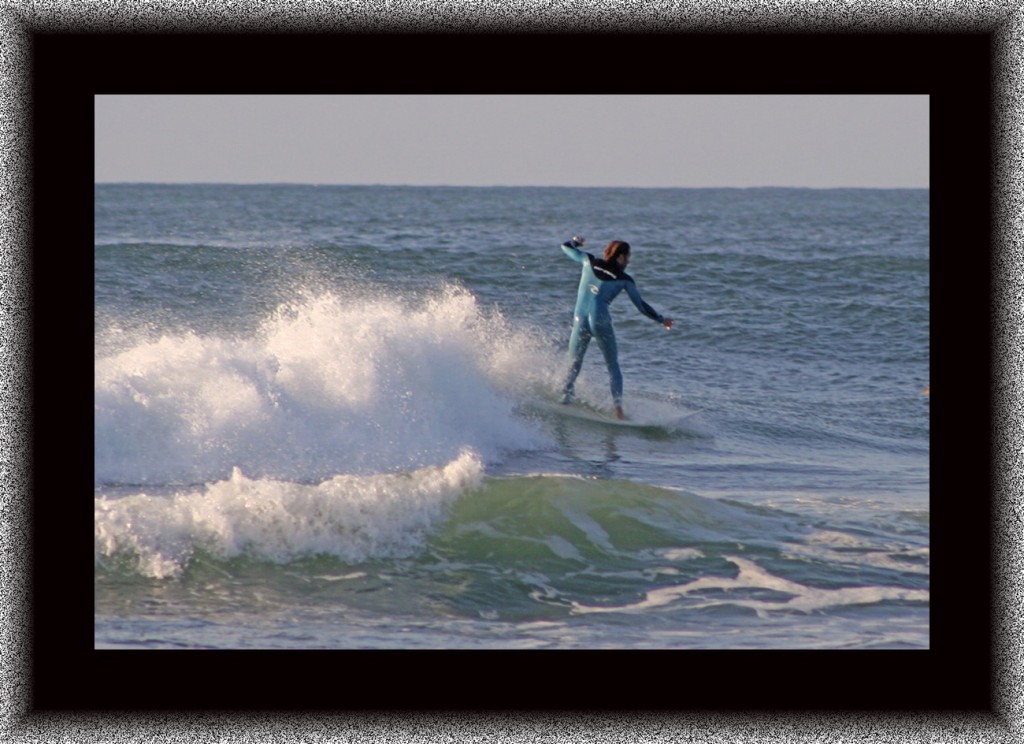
{"x":520,"y":548}
{"x":331,"y":383}
{"x":352,"y":518}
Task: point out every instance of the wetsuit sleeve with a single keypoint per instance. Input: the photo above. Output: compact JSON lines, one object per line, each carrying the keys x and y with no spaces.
{"x":634,"y":295}
{"x":571,"y":249}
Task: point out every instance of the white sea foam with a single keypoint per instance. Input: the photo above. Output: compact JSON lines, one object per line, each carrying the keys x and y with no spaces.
{"x":840,"y":548}
{"x":803,"y":599}
{"x":330,"y":384}
{"x":351,"y":517}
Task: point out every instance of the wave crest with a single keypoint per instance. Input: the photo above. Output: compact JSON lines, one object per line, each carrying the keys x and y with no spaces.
{"x":350,"y":517}
{"x":331,"y":383}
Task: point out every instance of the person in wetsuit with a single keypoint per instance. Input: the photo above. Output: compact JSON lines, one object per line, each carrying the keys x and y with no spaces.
{"x":601,"y":281}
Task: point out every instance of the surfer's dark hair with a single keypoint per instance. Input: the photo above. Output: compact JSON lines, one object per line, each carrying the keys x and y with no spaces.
{"x":615,"y":249}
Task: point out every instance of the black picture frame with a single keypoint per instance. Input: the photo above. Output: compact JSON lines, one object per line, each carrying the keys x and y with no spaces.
{"x":68,"y":68}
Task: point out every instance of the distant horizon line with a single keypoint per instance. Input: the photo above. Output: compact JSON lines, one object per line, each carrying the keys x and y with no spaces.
{"x":491,"y":186}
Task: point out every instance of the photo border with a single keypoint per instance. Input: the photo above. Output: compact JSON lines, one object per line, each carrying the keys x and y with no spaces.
{"x":67,"y":674}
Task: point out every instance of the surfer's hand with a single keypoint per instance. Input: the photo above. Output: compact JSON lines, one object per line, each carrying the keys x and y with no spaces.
{"x":667,"y":322}
{"x":578,"y":240}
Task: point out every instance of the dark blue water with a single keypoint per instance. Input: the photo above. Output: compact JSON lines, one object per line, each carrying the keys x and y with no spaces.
{"x":322,"y":420}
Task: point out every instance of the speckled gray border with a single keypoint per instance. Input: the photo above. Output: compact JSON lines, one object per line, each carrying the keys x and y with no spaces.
{"x":1008,"y":364}
{"x":1004,"y":17}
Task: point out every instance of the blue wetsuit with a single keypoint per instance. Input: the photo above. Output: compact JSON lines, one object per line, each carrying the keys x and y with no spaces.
{"x":600,"y":283}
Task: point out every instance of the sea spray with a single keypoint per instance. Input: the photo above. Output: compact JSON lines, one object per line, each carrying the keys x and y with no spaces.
{"x":330,"y":384}
{"x":350,"y":517}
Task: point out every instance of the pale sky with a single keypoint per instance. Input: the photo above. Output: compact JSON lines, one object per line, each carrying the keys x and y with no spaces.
{"x":516,"y":140}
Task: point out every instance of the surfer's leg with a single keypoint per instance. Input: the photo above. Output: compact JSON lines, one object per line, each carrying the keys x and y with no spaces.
{"x":606,"y":340}
{"x":577,"y":348}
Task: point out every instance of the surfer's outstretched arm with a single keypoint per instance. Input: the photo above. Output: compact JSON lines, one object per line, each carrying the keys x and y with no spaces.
{"x":571,"y":248}
{"x":650,"y":312}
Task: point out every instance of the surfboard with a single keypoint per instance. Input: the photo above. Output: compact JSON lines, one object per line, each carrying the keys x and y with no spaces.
{"x":584,"y":412}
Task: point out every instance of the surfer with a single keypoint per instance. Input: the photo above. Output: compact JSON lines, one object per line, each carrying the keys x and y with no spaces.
{"x":601,"y":281}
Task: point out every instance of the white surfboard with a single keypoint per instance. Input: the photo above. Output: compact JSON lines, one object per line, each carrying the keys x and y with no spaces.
{"x":594,"y":415}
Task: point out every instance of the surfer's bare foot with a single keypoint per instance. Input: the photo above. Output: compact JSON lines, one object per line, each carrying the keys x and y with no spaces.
{"x":619,"y":414}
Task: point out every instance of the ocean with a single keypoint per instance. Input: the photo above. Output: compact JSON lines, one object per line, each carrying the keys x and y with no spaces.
{"x":326,"y":418}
